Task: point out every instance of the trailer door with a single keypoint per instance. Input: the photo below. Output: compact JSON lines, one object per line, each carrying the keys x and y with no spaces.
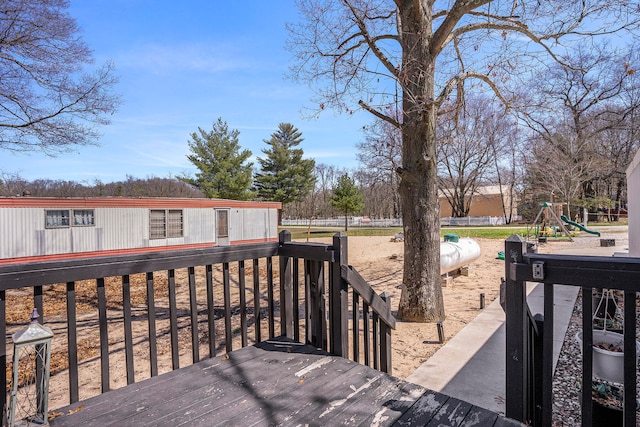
{"x":222,"y":227}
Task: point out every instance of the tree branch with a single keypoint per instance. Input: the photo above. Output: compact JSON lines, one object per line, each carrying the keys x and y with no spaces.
{"x":378,"y":114}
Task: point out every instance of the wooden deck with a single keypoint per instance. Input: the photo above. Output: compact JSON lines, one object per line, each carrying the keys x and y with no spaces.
{"x":276,"y":382}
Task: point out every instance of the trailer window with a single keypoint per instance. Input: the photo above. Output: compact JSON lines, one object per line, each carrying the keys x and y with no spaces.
{"x":165,"y":223}
{"x":174,"y":223}
{"x":223,"y":223}
{"x":83,"y":217}
{"x":56,"y":218}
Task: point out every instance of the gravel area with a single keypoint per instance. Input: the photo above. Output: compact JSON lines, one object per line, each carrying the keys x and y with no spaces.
{"x":568,"y":375}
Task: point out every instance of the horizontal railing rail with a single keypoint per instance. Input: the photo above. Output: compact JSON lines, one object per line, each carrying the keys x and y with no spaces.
{"x":587,"y":272}
{"x":154,"y":312}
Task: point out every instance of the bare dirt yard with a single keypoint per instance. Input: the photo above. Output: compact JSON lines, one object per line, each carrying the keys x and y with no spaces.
{"x":379,"y":260}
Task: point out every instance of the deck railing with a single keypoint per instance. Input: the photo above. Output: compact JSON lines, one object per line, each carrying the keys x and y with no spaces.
{"x":194,"y":299}
{"x":529,"y":393}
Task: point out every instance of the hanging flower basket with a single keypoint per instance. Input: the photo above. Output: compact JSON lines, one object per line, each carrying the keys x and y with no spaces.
{"x":608,"y":354}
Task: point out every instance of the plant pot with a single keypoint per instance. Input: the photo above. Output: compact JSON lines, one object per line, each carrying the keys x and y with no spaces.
{"x":605,"y":416}
{"x":608,"y":365}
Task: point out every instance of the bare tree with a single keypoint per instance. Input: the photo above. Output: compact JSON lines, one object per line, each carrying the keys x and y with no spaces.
{"x":508,"y":171}
{"x":12,"y":184}
{"x":468,"y":149}
{"x":414,"y":56}
{"x":381,"y":155}
{"x":571,"y":112}
{"x":47,"y":102}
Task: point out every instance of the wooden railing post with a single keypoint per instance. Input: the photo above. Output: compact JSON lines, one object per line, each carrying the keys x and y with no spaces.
{"x":286,"y":290}
{"x":338,"y":299}
{"x":385,"y":339}
{"x":3,"y":355}
{"x":316,"y":313}
{"x":517,"y":327}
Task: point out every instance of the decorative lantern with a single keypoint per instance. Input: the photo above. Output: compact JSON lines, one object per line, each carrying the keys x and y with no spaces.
{"x":31,"y":359}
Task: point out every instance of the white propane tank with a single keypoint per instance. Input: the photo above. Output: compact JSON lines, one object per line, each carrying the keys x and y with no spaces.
{"x":454,"y":255}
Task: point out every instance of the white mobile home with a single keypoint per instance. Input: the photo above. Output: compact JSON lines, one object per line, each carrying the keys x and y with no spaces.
{"x":40,"y":229}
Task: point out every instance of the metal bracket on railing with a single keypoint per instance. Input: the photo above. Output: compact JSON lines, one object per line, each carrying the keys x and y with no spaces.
{"x":538,"y":270}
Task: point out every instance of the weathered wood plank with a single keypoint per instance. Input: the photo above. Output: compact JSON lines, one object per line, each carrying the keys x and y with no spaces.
{"x":267,"y":397}
{"x":423,"y":410}
{"x":276,"y":382}
{"x":395,"y":405}
{"x":506,"y":422}
{"x":117,"y":404}
{"x":318,"y":400}
{"x":452,"y":413}
{"x":236,"y":390}
{"x":360,"y":406}
{"x":479,"y":417}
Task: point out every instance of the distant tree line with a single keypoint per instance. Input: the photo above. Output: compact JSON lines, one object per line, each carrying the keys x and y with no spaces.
{"x":14,"y":185}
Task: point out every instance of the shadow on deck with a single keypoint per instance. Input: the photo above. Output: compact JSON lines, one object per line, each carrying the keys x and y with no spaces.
{"x":276,"y":382}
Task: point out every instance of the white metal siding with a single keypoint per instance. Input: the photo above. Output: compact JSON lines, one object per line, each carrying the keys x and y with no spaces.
{"x":23,"y":232}
{"x":19,"y":232}
{"x":235,"y":225}
{"x":259,"y":224}
{"x":272,"y":226}
{"x":123,"y":227}
{"x":199,"y":225}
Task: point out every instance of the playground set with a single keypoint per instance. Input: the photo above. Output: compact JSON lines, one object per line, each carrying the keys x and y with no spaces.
{"x":550,"y":222}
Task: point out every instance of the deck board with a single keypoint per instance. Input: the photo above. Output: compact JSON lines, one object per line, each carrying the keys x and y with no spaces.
{"x":275,"y":383}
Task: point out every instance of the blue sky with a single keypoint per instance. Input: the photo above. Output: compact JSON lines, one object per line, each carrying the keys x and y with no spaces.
{"x":181,"y":66}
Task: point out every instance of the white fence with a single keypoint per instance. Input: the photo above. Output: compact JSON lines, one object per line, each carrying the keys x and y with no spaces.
{"x":393,"y":222}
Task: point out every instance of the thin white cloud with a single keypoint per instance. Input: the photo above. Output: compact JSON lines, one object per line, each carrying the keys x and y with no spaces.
{"x":156,"y":58}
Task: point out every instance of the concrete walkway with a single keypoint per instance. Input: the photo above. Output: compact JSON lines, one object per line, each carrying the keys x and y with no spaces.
{"x":471,"y":366}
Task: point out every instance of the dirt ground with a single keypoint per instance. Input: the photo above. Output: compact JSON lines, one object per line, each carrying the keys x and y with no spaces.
{"x":379,"y":260}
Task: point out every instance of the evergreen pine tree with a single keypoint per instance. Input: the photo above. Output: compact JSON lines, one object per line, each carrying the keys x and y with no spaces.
{"x":347,"y":197}
{"x":284,"y":176}
{"x":223,"y":171}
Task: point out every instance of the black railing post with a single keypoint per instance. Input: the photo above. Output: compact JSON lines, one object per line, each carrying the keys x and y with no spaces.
{"x":338,"y":299}
{"x":539,"y":402}
{"x":316,"y":311}
{"x":385,"y":339}
{"x":630,"y":358}
{"x":3,"y":355}
{"x":286,"y":290}
{"x":517,"y":327}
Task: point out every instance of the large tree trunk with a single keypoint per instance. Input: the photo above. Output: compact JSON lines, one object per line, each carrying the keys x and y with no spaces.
{"x":421,"y":298}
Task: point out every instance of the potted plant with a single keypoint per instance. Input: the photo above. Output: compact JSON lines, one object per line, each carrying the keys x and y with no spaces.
{"x":608,"y":354}
{"x":607,"y":404}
